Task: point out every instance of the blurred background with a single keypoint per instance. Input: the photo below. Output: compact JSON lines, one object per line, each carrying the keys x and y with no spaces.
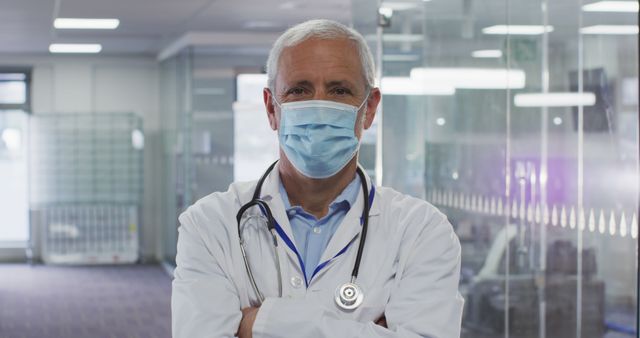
{"x":517,"y":118}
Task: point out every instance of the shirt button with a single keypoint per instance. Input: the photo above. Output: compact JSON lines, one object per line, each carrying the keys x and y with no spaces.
{"x":317,"y":230}
{"x":291,"y":212}
{"x":296,"y":282}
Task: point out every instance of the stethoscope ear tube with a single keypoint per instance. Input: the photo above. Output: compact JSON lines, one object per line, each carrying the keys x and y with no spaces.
{"x":270,"y":225}
{"x":365,"y":225}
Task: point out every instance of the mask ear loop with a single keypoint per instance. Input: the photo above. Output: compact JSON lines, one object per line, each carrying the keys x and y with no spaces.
{"x":274,"y":100}
{"x":366,"y":98}
{"x":360,"y":107}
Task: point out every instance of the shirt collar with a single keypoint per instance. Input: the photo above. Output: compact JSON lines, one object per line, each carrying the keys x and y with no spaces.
{"x":348,"y":196}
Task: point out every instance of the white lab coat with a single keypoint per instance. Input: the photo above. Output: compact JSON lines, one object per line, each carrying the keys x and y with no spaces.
{"x":409,"y":271}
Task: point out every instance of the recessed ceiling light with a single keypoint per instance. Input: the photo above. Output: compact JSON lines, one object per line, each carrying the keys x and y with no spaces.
{"x":487,"y":53}
{"x":399,"y":6}
{"x":80,"y":23}
{"x":472,"y":78}
{"x":401,"y":58}
{"x":397,"y":37}
{"x":610,"y":29}
{"x":612,"y":6}
{"x":554,"y":99}
{"x":75,"y":48}
{"x":397,"y":85}
{"x":517,"y":29}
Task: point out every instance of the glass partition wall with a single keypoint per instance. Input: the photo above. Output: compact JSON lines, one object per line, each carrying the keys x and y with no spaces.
{"x":519,"y":120}
{"x":198,"y":92}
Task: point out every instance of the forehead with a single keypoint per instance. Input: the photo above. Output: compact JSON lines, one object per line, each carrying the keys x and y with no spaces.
{"x":321,"y":60}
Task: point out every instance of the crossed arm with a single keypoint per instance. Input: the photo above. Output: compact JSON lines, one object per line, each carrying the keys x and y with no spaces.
{"x":249,"y":316}
{"x":426,"y":302}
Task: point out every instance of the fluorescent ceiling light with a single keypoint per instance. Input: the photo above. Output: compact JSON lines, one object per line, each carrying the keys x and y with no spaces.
{"x":402,"y":37}
{"x":78,"y":23}
{"x":516,"y":30}
{"x":399,"y":6}
{"x":472,"y":78}
{"x":612,"y":6}
{"x":487,"y":53}
{"x":75,"y":48}
{"x":554,"y":99}
{"x":397,"y":37}
{"x":392,"y":85}
{"x":400,"y":58}
{"x":610,"y":29}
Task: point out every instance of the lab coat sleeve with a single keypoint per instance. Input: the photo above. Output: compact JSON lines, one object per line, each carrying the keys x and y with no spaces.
{"x":204,"y":302}
{"x":424,"y":303}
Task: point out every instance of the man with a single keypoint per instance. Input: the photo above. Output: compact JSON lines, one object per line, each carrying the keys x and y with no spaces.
{"x":321,"y":95}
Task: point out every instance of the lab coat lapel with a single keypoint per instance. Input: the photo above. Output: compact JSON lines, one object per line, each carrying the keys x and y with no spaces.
{"x":350,"y":226}
{"x":271,"y":194}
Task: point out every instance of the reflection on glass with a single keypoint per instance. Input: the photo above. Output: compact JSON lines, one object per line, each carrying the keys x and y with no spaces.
{"x":532,"y":153}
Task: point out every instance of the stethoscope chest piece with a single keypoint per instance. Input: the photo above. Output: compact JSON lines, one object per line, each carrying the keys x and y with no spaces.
{"x":349,"y":296}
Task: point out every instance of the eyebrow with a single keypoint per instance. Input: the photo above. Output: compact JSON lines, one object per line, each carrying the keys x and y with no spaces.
{"x":328,"y":84}
{"x":306,"y":83}
{"x":344,"y":83}
{"x":303,"y":83}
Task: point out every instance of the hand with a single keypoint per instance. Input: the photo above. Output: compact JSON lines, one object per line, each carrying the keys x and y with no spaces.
{"x":246,"y":324}
{"x":382,"y":321}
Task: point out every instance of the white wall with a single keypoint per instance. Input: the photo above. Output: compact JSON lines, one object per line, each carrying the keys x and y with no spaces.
{"x":103,"y":84}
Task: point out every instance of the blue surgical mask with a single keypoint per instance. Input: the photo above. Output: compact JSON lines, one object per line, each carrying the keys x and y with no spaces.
{"x":318,"y":136}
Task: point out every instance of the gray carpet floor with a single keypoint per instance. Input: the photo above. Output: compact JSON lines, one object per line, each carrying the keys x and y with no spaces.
{"x":131,"y":301}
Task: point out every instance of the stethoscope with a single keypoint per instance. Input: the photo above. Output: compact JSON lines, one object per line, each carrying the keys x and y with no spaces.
{"x":348,"y":296}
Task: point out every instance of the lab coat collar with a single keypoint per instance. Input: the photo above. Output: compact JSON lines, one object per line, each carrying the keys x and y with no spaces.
{"x":271,"y":193}
{"x":345,"y":234}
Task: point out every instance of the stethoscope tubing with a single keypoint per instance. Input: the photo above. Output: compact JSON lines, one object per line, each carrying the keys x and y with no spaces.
{"x":266,"y":211}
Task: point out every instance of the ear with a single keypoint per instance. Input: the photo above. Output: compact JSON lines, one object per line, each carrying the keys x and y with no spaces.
{"x":270,"y":107}
{"x":372,"y":107}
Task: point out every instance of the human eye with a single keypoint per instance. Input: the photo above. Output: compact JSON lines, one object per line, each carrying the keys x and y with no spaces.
{"x":296,"y":91}
{"x":341,"y":91}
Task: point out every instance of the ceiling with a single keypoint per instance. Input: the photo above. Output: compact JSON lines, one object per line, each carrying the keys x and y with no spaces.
{"x":150,"y":26}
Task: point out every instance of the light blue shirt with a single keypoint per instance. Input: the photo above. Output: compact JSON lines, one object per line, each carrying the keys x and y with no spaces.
{"x":312,"y":235}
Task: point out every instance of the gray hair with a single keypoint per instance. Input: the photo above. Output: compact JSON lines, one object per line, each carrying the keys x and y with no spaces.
{"x":321,"y":29}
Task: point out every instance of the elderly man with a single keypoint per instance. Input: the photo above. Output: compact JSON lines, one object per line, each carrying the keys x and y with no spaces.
{"x":313,"y":248}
